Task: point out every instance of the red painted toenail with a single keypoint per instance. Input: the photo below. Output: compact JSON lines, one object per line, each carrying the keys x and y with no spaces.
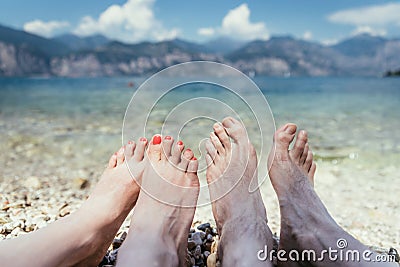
{"x":156,"y":140}
{"x":168,"y":137}
{"x":130,"y":142}
{"x":194,"y":158}
{"x":143,"y":139}
{"x":180,"y":143}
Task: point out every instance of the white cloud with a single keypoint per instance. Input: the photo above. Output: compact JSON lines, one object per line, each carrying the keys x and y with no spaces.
{"x":377,"y":15}
{"x":237,"y":24}
{"x":369,"y":30}
{"x":46,"y":29}
{"x":206,"y":31}
{"x":307,"y":35}
{"x":131,"y":22}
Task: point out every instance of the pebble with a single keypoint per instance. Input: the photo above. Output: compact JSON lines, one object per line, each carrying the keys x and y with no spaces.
{"x":191,"y":244}
{"x":81,"y":183}
{"x":210,"y":238}
{"x":212,"y":260}
{"x":15,"y":232}
{"x":206,"y":254}
{"x":203,"y":227}
{"x":8,"y":227}
{"x":196,"y":237}
{"x":32,"y":182}
{"x":197,"y":252}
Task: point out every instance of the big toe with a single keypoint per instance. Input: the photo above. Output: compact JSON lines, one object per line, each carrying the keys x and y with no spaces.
{"x":155,"y":148}
{"x":282,"y":139}
{"x":235,"y":129}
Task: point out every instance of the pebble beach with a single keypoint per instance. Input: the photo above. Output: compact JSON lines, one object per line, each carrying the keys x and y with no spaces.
{"x":52,"y":155}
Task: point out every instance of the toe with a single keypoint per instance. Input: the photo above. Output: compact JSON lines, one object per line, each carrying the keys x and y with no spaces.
{"x":308,"y":161}
{"x":113,"y":161}
{"x":140,"y":148}
{"x":193,"y":165}
{"x":311,"y":173}
{"x":234,"y":129}
{"x":282,"y":138}
{"x":209,"y":160}
{"x":217,"y":144}
{"x":304,"y":155}
{"x":154,"y":150}
{"x":186,"y":158}
{"x":176,"y":152}
{"x":167,"y":146}
{"x":299,"y":146}
{"x":129,"y":150}
{"x":120,"y":155}
{"x":211,"y":150}
{"x":222,"y":135}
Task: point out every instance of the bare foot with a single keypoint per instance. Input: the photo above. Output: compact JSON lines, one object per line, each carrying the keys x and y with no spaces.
{"x":113,"y":197}
{"x":82,"y":238}
{"x":158,"y":232}
{"x":305,"y":222}
{"x":240,"y":215}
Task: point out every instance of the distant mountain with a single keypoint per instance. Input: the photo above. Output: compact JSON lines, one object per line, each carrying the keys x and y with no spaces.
{"x":361,"y":45}
{"x":118,"y":58}
{"x":31,"y":42}
{"x":25,"y":54}
{"x":121,"y":52}
{"x":289,"y":56}
{"x":224,"y":45}
{"x":76,"y":43}
{"x":286,"y":56}
{"x":190,"y":46}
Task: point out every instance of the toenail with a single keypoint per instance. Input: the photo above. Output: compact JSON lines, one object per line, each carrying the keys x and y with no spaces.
{"x":290,"y":129}
{"x":130,"y":142}
{"x":194,"y":158}
{"x":188,"y":150}
{"x":303,"y":132}
{"x":168,"y":137}
{"x":180,"y":143}
{"x":156,"y":140}
{"x":143,"y":139}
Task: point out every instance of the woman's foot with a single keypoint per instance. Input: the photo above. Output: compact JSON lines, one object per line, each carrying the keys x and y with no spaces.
{"x":113,"y":197}
{"x":165,"y":209}
{"x":239,"y":214}
{"x":82,"y":238}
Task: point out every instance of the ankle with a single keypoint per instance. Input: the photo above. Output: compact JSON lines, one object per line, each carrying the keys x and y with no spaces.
{"x":241,"y":241}
{"x":133,"y":247}
{"x":235,"y":231}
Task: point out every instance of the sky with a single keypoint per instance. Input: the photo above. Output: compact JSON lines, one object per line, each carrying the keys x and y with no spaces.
{"x":133,"y":21}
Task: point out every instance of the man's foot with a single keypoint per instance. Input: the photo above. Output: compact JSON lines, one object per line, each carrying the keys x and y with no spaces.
{"x":113,"y":197}
{"x":305,"y":222}
{"x":165,"y":209}
{"x":239,"y":214}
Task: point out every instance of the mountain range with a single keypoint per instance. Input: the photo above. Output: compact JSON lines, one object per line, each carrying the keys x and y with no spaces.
{"x":25,"y":54}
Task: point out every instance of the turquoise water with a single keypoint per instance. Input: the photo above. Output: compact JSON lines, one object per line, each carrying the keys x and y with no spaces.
{"x":346,"y":117}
